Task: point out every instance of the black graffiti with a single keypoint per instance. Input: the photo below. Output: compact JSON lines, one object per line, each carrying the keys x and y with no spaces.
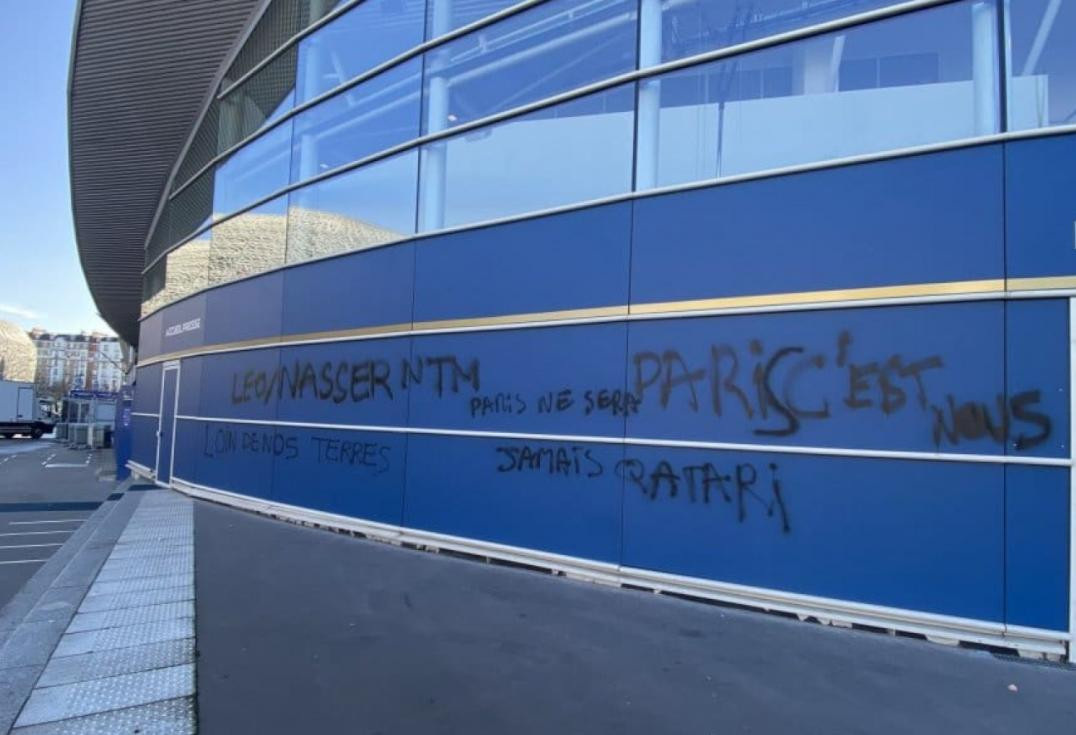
{"x":610,"y":400}
{"x":774,"y":389}
{"x":354,"y":453}
{"x":974,"y":420}
{"x":222,"y":441}
{"x":569,"y":461}
{"x":497,"y":403}
{"x":354,"y":381}
{"x":741,"y":486}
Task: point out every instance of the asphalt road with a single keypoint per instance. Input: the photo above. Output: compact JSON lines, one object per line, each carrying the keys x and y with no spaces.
{"x":301,"y":630}
{"x":46,"y":492}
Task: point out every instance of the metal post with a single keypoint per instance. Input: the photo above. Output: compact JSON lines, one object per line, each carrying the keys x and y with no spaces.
{"x":649,"y":104}
{"x":984,"y":67}
{"x":434,"y":155}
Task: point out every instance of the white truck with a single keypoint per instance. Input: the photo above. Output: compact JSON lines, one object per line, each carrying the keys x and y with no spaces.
{"x":19,"y":411}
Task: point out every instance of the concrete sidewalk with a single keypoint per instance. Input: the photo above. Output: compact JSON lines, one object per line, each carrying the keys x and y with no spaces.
{"x":105,"y":642}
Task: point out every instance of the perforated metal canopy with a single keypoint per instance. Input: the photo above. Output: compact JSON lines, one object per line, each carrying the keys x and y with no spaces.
{"x":141,"y":71}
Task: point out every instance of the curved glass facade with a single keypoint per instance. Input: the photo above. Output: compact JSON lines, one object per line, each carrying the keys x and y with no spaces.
{"x":333,"y":127}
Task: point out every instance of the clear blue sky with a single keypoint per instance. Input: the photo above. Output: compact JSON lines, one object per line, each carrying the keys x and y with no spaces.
{"x":41,"y":282}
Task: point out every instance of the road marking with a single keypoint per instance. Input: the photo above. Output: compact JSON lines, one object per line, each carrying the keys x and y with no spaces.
{"x":34,"y":533}
{"x":34,"y":523}
{"x":29,"y":546}
{"x":25,"y":561}
{"x":66,"y":464}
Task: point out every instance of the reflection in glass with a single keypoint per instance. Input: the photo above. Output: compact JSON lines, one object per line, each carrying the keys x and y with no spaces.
{"x":448,"y":15}
{"x":369,"y":34}
{"x":694,"y":26}
{"x":567,"y":153}
{"x":551,"y":48}
{"x":358,"y":209}
{"x":915,"y":79}
{"x":367,"y":118}
{"x":1042,"y":63}
{"x":254,"y":171}
{"x":190,"y":209}
{"x":249,"y":243}
{"x":182,"y":272}
{"x":259,"y":100}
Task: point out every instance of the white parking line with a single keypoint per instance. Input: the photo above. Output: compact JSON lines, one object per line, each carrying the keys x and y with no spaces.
{"x":29,"y":546}
{"x":34,"y":533}
{"x":25,"y":561}
{"x":33,"y":523}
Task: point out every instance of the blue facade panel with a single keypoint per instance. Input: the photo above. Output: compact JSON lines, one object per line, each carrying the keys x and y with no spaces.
{"x":241,"y":385}
{"x":558,"y":497}
{"x":1040,"y":176}
{"x":184,"y":325}
{"x":556,"y":380}
{"x":361,"y":382}
{"x":1037,"y":377}
{"x":150,"y":332}
{"x":367,"y":289}
{"x":248,"y":309}
{"x":575,"y":260}
{"x":918,"y":535}
{"x":144,"y":440}
{"x":1037,"y":546}
{"x":911,"y":220}
{"x":147,"y":398}
{"x":350,"y":473}
{"x":920,"y":378}
{"x":238,"y":458}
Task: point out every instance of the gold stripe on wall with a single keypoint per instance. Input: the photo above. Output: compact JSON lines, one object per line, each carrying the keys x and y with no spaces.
{"x":949,"y":288}
{"x":988,"y":288}
{"x":1041,"y":283}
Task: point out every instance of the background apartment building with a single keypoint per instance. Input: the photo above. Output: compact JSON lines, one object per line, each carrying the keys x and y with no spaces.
{"x":84,"y":361}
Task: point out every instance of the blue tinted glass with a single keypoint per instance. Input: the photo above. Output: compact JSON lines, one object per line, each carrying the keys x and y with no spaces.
{"x":372,"y":32}
{"x":691,"y":27}
{"x":572,"y":152}
{"x":448,"y":15}
{"x":249,"y":243}
{"x":915,"y":79}
{"x":1042,"y":63}
{"x":367,"y":118}
{"x":358,"y":209}
{"x":556,"y":46}
{"x":254,"y":171}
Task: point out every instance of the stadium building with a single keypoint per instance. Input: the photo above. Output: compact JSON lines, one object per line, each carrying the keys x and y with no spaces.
{"x":763,"y":302}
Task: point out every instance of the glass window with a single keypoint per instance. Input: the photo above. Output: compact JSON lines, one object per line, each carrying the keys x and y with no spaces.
{"x":191,"y":208}
{"x":367,"y":118}
{"x":448,"y":15}
{"x":182,"y":272}
{"x":254,"y":171}
{"x":1042,"y":63}
{"x":259,"y":100}
{"x":281,"y":20}
{"x":914,"y":79}
{"x":690,"y":27}
{"x":369,"y":34}
{"x":567,"y":153}
{"x":556,"y":46}
{"x":358,"y":209}
{"x":249,"y":243}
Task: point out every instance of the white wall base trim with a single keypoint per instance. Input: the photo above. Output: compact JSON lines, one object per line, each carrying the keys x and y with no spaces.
{"x":934,"y":627}
{"x":140,"y":469}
